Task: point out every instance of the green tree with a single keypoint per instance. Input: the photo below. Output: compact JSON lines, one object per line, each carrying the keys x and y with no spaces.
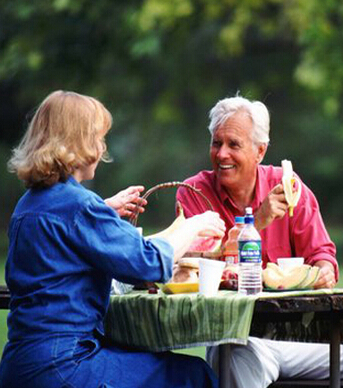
{"x":160,"y":65}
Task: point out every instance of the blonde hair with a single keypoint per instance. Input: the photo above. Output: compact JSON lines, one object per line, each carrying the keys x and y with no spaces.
{"x":61,"y":137}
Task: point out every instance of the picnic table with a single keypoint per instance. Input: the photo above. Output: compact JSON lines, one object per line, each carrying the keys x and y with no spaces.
{"x":165,"y":322}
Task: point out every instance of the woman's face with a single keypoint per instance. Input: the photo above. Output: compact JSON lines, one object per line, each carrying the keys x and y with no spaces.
{"x":233,"y":154}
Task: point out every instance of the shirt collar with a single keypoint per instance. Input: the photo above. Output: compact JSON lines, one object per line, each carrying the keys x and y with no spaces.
{"x":261,"y":191}
{"x":71,"y":180}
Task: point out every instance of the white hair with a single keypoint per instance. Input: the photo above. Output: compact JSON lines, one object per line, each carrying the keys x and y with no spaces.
{"x":256,"y":110}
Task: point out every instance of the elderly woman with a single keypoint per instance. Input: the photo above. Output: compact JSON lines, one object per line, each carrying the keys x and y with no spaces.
{"x":66,"y":245}
{"x":239,"y":140}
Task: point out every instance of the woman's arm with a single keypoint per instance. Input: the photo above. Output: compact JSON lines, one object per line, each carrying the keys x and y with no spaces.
{"x":201,"y":225}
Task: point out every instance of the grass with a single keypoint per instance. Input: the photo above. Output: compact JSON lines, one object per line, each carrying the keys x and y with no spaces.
{"x":3,"y":329}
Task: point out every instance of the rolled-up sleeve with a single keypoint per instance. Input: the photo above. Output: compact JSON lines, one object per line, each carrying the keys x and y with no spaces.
{"x":310,"y":237}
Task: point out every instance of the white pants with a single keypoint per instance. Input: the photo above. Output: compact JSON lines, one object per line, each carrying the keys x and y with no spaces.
{"x":261,"y":362}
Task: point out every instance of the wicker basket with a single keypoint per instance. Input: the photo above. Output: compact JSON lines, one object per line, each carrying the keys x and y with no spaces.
{"x":134,"y":217}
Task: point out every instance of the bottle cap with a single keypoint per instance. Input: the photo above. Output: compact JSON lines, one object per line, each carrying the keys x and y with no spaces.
{"x":249,"y":219}
{"x":239,"y":220}
{"x":248,"y":211}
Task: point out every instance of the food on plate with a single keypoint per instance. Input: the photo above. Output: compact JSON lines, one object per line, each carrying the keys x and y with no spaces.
{"x":186,"y":271}
{"x":229,"y":279}
{"x":206,"y":244}
{"x":311,"y":278}
{"x":184,"y":275}
{"x":298,"y":277}
{"x":153,"y":290}
{"x":292,"y":193}
{"x":179,"y":288}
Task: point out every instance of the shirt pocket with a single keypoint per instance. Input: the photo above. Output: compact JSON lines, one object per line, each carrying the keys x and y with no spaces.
{"x":85,"y":348}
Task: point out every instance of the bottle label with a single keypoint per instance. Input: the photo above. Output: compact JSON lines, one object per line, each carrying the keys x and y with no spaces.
{"x":249,"y":251}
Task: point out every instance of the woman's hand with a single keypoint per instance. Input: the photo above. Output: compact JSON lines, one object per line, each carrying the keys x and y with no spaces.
{"x":327,"y":278}
{"x":274,"y":206}
{"x":207,"y":224}
{"x":127,"y":201}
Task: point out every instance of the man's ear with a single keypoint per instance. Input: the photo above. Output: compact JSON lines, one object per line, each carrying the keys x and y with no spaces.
{"x":262,"y":149}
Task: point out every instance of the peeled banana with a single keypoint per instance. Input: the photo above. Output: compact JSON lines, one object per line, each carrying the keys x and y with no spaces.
{"x":288,"y":181}
{"x":179,"y":220}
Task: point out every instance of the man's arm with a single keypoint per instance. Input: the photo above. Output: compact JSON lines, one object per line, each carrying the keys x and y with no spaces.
{"x":308,"y":234}
{"x":327,"y":278}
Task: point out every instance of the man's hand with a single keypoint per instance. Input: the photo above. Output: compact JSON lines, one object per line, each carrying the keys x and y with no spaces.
{"x":127,"y":201}
{"x":326,"y":277}
{"x":274,"y":206}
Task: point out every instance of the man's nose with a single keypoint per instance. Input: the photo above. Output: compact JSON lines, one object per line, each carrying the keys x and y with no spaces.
{"x":223,"y":152}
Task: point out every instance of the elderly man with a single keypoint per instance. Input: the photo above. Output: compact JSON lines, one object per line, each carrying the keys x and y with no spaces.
{"x":239,"y":140}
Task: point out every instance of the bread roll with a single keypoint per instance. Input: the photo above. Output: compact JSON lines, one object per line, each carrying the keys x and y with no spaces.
{"x":184,"y":275}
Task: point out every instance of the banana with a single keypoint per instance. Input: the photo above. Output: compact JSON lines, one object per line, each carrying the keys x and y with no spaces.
{"x":288,"y":181}
{"x":179,"y":220}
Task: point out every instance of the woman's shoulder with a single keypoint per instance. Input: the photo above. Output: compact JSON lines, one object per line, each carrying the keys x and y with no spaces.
{"x":62,"y":200}
{"x":80,"y":197}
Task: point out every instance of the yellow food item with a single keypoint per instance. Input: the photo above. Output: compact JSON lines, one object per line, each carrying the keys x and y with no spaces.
{"x":311,"y":278}
{"x":179,"y":220}
{"x":299,"y":277}
{"x":179,"y":288}
{"x":288,"y":181}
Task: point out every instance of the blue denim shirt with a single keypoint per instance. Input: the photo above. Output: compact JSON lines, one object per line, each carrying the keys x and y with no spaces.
{"x":66,"y":245}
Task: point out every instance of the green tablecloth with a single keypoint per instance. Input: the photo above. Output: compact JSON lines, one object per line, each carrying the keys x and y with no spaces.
{"x":163,"y":322}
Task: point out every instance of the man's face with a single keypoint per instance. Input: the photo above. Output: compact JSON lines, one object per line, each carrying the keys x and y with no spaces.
{"x":233,"y":154}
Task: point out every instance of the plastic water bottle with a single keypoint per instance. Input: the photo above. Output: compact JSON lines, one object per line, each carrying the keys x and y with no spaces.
{"x":250,"y":257}
{"x":230,"y":251}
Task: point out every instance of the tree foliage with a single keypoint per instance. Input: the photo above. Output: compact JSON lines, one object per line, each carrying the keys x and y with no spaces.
{"x":160,"y":65}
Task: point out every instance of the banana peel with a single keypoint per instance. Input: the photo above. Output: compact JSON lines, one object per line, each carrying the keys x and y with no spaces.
{"x":288,"y":182}
{"x":295,"y":278}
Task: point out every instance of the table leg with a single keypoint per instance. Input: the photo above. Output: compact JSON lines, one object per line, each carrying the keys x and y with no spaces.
{"x":224,"y":366}
{"x":335,"y":341}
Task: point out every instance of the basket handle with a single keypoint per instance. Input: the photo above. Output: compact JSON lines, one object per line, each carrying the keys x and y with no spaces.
{"x":134,"y":216}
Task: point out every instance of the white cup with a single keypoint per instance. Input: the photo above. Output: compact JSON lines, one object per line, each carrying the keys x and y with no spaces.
{"x":290,"y":262}
{"x":210,"y":273}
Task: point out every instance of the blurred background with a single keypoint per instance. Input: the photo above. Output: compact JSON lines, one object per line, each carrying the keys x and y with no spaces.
{"x":159,"y":66}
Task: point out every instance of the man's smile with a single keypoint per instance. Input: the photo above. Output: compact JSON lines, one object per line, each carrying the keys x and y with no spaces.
{"x":226,"y":166}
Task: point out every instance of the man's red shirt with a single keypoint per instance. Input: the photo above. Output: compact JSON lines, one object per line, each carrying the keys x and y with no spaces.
{"x":303,"y":235}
